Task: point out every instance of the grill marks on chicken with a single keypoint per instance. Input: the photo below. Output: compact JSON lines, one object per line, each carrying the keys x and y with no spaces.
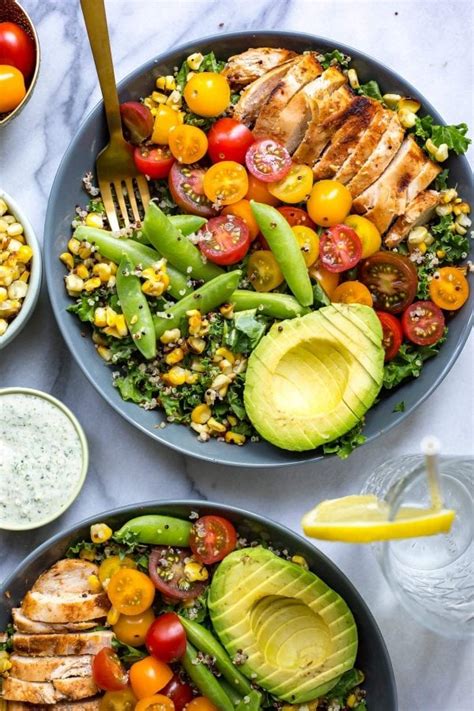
{"x":419,"y":212}
{"x":255,"y":94}
{"x":242,"y":69}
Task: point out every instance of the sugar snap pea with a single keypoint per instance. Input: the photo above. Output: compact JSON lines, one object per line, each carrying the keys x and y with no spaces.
{"x":205,"y":641}
{"x":186,"y":224}
{"x":206,"y":298}
{"x":135,"y":308}
{"x":155,"y":530}
{"x":279,"y":306}
{"x":250,"y":702}
{"x":205,"y":681}
{"x":113,"y":248}
{"x":229,"y":690}
{"x":286,"y":250}
{"x":178,"y":250}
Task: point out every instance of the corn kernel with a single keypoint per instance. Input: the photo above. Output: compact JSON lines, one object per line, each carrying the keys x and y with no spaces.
{"x":215,"y":426}
{"x":67,"y":259}
{"x":463,"y":220}
{"x":105,"y":353}
{"x":14,"y":229}
{"x":149,"y":103}
{"x":95,"y":586}
{"x":195,"y":571}
{"x":98,"y":339}
{"x":3,"y":326}
{"x":157,"y":286}
{"x":196,"y":344}
{"x":110,"y":316}
{"x":174,"y":356}
{"x":225,"y":353}
{"x":227,"y":310}
{"x":103,"y":271}
{"x":391,"y":100}
{"x":443,"y":210}
{"x":9,"y":308}
{"x":431,"y":147}
{"x":407,"y":118}
{"x":100,"y":317}
{"x":3,"y":225}
{"x":92,"y":284}
{"x":100,"y":532}
{"x":442,"y":153}
{"x":201,"y":414}
{"x":174,"y":99}
{"x":82,"y":271}
{"x":17,"y":290}
{"x":301,"y":561}
{"x":24,"y":254}
{"x":353,"y":78}
{"x":234,"y":438}
{"x":175,"y":376}
{"x":85,"y":251}
{"x":9,"y":219}
{"x":25,"y":275}
{"x":113,"y":616}
{"x":191,"y":378}
{"x":74,"y":245}
{"x":462,"y":208}
{"x":232,"y":420}
{"x":3,"y":207}
{"x":448,"y":195}
{"x":93,"y":219}
{"x":417,"y":235}
{"x":411,"y":105}
{"x":221,"y":384}
{"x":351,"y":700}
{"x":172,"y":335}
{"x":3,"y":294}
{"x":74,"y":284}
{"x":422,"y":247}
{"x":459,"y":229}
{"x":121,"y":325}
{"x":5,"y":663}
{"x":159,"y":98}
{"x":440,"y":253}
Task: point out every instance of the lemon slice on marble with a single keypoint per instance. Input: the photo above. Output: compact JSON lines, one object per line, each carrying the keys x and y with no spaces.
{"x":365,"y":519}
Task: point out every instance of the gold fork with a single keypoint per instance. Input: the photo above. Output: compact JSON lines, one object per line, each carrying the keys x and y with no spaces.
{"x":116,"y":171}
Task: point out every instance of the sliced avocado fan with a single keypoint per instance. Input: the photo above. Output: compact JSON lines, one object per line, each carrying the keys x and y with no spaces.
{"x":296,"y":634}
{"x":311,"y":379}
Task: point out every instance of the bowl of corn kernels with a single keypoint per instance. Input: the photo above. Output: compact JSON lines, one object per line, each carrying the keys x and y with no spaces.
{"x":20,"y":269}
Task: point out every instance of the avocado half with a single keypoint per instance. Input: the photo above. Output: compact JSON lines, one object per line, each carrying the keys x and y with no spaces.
{"x":298,"y":634}
{"x":311,"y":379}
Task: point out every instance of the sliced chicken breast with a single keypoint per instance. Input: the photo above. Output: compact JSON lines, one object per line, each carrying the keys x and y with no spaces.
{"x":419,"y":212}
{"x":48,"y":645}
{"x":47,"y":692}
{"x":70,"y":575}
{"x":241,"y":69}
{"x":255,"y":94}
{"x":66,"y":607}
{"x":24,"y":624}
{"x":83,"y":705}
{"x":49,"y":668}
{"x":364,"y":147}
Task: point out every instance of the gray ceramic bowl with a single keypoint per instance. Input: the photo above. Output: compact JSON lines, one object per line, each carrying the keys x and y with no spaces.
{"x":67,"y":193}
{"x":372,"y":657}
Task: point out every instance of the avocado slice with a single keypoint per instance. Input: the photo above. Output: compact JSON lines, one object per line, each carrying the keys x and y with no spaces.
{"x":298,"y":635}
{"x":311,"y":379}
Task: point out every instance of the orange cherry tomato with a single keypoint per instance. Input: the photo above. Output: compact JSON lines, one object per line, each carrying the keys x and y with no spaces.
{"x":188,"y":144}
{"x":148,"y":676}
{"x":201,"y":703}
{"x":132,"y":629}
{"x":328,"y":280}
{"x":155,"y":703}
{"x":352,"y":292}
{"x":259,"y":192}
{"x":130,"y":591}
{"x":263,"y":271}
{"x":243,"y":210}
{"x":449,"y":288}
{"x":225,"y":182}
{"x":12,"y":88}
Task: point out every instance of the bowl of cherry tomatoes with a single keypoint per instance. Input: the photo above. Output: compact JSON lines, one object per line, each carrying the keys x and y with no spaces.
{"x":19,"y":59}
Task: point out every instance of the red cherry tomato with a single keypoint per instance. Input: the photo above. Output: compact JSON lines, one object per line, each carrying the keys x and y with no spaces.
{"x":225,"y":239}
{"x":391,"y":279}
{"x":392,"y":334}
{"x":155,"y":162}
{"x":267,"y":160}
{"x":186,"y":183}
{"x":17,"y":49}
{"x":138,"y":121}
{"x":179,"y":693}
{"x":108,"y":672}
{"x":423,"y":323}
{"x":229,"y":140}
{"x":166,"y":638}
{"x":340,"y":248}
{"x":296,"y":216}
{"x":166,"y":569}
{"x":212,"y":538}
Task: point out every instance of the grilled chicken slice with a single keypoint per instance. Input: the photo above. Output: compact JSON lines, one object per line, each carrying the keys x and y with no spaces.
{"x":255,"y":94}
{"x":365,"y":146}
{"x":419,"y":212}
{"x":49,"y":668}
{"x":241,"y":69}
{"x":48,"y":692}
{"x":83,"y":705}
{"x":47,"y":645}
{"x":68,"y":575}
{"x":303,"y":70}
{"x":66,"y":607}
{"x":380,"y":158}
{"x":24,"y":624}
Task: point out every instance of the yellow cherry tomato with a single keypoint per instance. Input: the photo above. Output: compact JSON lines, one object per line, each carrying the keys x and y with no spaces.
{"x":308,"y":240}
{"x":225,"y":182}
{"x":263,"y":271}
{"x":258,"y":191}
{"x":243,"y":210}
{"x":201,"y":703}
{"x":449,"y":288}
{"x":132,"y":629}
{"x":109,"y":566}
{"x":12,"y":88}
{"x":295,"y":186}
{"x":118,"y":701}
{"x":166,"y":118}
{"x":207,"y":93}
{"x":367,"y":233}
{"x":329,"y":203}
{"x":352,"y":292}
{"x":130,"y":591}
{"x":328,"y":280}
{"x":188,"y":144}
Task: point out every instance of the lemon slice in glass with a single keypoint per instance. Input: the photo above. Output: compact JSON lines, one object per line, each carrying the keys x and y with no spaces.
{"x":365,"y":519}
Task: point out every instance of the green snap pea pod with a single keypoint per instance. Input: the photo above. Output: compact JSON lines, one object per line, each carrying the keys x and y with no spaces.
{"x":208,"y":297}
{"x":229,"y":690}
{"x":113,"y":248}
{"x":186,"y":224}
{"x":279,"y":306}
{"x":156,"y":530}
{"x":205,"y":641}
{"x":250,"y":702}
{"x":286,"y":250}
{"x":135,"y":308}
{"x":205,"y":681}
{"x":178,"y":250}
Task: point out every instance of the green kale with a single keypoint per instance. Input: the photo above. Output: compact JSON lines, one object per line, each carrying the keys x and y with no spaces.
{"x":348,"y":681}
{"x":399,"y":407}
{"x":96,"y":205}
{"x":320,"y":296}
{"x":199,"y":121}
{"x":343,"y":446}
{"x":454,"y":136}
{"x":248,"y":330}
{"x":161,"y":191}
{"x":371,"y":89}
{"x":441,"y":182}
{"x":408,"y":363}
{"x":127,"y":654}
{"x":85,"y":306}
{"x":85,"y":549}
{"x":7,"y":645}
{"x":329,"y":59}
{"x":456,"y":247}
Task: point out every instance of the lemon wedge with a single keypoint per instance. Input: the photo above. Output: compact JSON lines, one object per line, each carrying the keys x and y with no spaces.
{"x":365,"y":519}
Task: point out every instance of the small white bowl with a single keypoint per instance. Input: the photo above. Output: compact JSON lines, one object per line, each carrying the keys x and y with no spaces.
{"x":34,"y":283}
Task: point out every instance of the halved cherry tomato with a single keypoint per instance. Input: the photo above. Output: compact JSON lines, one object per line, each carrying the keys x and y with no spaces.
{"x":108,"y":672}
{"x":157,"y":702}
{"x":229,"y":140}
{"x":166,"y":638}
{"x":243,"y":210}
{"x":110,"y":565}
{"x":308,"y":240}
{"x":166,"y":568}
{"x":212,"y":538}
{"x":186,"y":187}
{"x":423,"y":323}
{"x":188,"y":144}
{"x":207,"y":93}
{"x":263,"y":271}
{"x":340,"y":248}
{"x":138,"y":121}
{"x":132,"y":629}
{"x":449,"y":288}
{"x":224,"y":240}
{"x":268,"y":160}
{"x":201,"y":703}
{"x":130,"y":591}
{"x":12,"y":88}
{"x":391,"y":279}
{"x":226,"y":182}
{"x":352,"y":292}
{"x":148,"y":676}
{"x":155,"y":162}
{"x":17,"y":49}
{"x":118,"y":701}
{"x":367,"y":233}
{"x":296,"y":216}
{"x":326,"y":279}
{"x":166,"y":118}
{"x":258,"y":191}
{"x":295,"y":186}
{"x":179,"y":693}
{"x":392,"y":334}
{"x":329,"y":203}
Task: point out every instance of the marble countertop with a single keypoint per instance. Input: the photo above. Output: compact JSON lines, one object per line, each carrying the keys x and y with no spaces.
{"x":429,"y":44}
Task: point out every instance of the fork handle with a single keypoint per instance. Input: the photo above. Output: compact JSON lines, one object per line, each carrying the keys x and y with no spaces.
{"x":96,"y":25}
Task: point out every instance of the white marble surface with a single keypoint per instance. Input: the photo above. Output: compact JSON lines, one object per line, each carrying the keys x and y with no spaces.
{"x":430,"y":44}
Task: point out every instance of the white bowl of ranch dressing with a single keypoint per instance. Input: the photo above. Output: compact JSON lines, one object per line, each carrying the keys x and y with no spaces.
{"x":43,"y":458}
